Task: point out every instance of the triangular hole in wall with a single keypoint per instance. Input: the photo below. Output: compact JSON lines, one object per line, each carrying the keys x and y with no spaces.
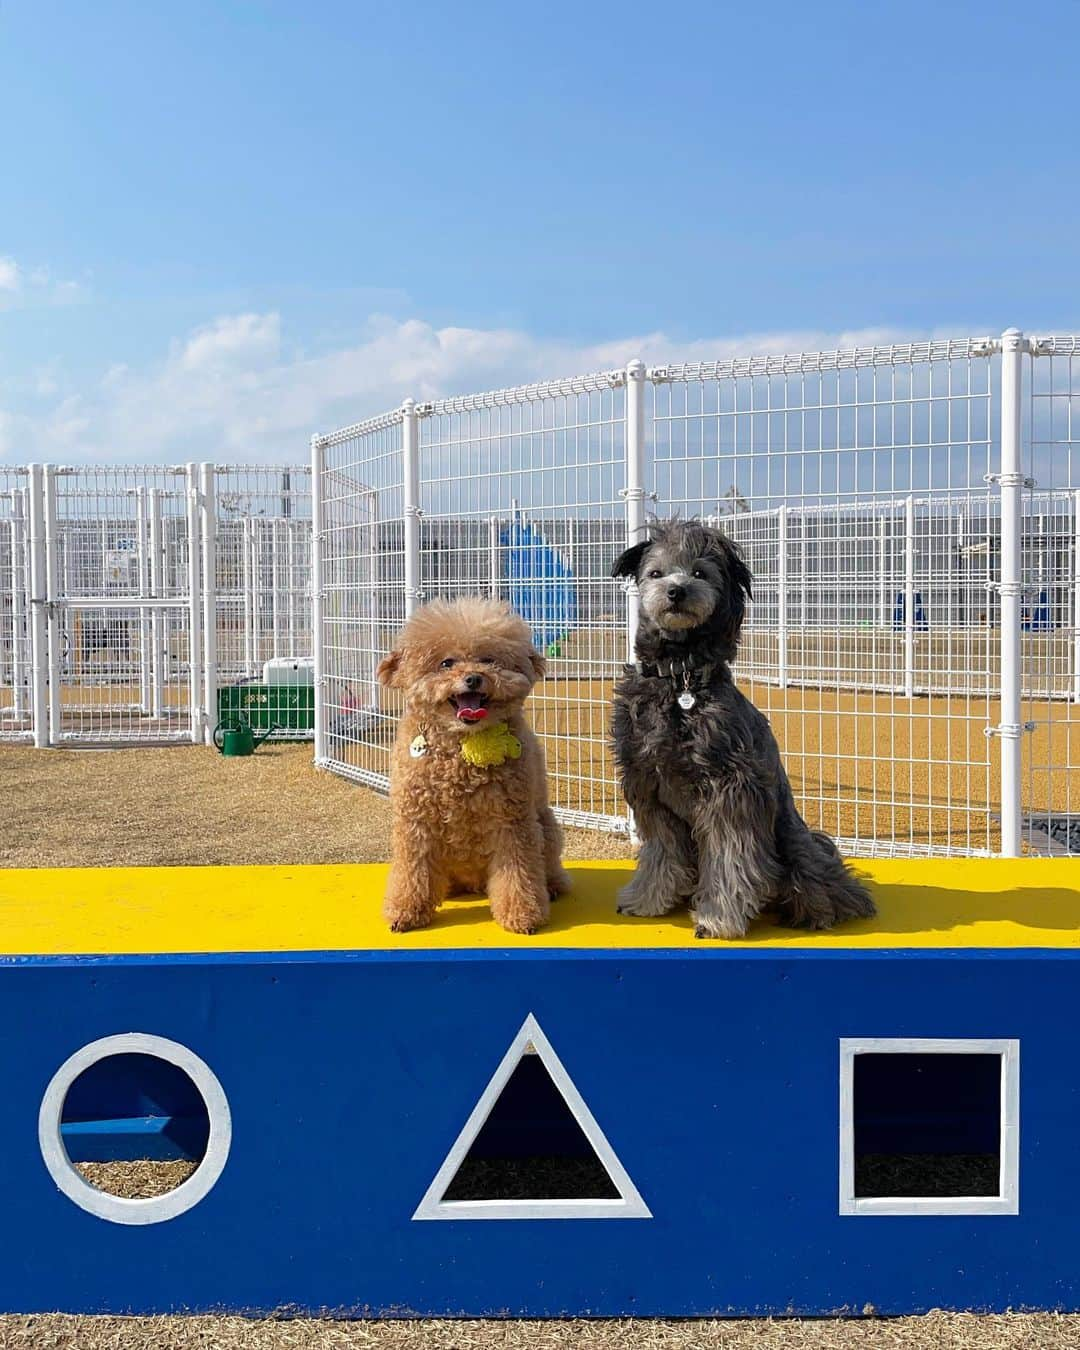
{"x":531,"y":1149}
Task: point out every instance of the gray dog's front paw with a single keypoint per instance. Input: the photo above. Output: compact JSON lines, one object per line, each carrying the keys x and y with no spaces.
{"x":635,"y":900}
{"x":709,"y":927}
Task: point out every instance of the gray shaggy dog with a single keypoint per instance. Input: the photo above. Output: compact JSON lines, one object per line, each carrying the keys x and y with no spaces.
{"x":699,"y":763}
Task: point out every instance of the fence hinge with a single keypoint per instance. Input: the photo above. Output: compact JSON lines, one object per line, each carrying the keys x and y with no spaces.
{"x":418,"y":595}
{"x":659,"y":374}
{"x":1040,"y":346}
{"x":616,"y":379}
{"x":413,"y":511}
{"x":1010,"y":480}
{"x":1009,"y":730}
{"x":637,"y":494}
{"x":1024,"y":591}
{"x":424,"y":409}
{"x":985,"y":347}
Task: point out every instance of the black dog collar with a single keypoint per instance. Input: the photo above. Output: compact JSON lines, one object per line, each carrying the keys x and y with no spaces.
{"x":674,"y":669}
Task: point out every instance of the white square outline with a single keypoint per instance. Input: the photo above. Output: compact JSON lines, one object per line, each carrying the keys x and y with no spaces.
{"x":1007,"y":1201}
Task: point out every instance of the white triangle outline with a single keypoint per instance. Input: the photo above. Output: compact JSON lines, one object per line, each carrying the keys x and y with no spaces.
{"x":629,"y":1204}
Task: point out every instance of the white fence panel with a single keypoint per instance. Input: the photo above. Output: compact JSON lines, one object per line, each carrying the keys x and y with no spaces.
{"x":860,"y":463}
{"x":15,"y":650}
{"x":119,"y":622}
{"x":520,"y":497}
{"x":362,"y":600}
{"x":1050,"y":633}
{"x":263,"y":570}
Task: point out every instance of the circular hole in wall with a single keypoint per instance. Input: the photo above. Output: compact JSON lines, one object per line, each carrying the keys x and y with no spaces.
{"x":134,"y":1128}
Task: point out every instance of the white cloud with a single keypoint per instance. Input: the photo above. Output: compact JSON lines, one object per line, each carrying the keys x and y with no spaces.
{"x":231,"y":390}
{"x":22,"y":288}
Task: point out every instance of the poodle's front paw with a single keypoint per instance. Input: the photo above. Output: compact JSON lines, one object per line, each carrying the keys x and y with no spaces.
{"x":403,"y":914}
{"x":525,"y":914}
{"x":558,"y":883}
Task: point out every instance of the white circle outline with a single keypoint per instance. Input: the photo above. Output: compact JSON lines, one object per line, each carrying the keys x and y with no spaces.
{"x":116,"y":1208}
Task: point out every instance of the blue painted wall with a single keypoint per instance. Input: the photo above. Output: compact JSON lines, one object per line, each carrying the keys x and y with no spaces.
{"x":713,"y":1074}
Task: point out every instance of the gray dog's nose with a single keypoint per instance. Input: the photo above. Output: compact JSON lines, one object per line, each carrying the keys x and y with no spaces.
{"x":676,"y":592}
{"x":473,"y":681}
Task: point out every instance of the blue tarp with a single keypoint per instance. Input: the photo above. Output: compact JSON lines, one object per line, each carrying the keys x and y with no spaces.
{"x":899,"y":612}
{"x":1037,"y":619}
{"x":541,"y":585}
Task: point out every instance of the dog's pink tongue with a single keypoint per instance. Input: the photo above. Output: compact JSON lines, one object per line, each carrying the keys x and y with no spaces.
{"x":471,"y":714}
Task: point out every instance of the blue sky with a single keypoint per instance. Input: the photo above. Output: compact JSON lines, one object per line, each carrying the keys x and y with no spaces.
{"x":225,"y":225}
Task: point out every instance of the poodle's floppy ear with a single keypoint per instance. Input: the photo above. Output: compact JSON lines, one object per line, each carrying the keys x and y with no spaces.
{"x":387,"y":669}
{"x":539,"y":663}
{"x":627,"y":564}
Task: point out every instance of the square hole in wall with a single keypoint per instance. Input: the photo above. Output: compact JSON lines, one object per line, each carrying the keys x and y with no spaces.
{"x":929,"y":1126}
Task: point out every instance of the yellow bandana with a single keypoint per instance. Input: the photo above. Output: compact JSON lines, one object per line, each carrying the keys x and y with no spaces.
{"x":491,"y":746}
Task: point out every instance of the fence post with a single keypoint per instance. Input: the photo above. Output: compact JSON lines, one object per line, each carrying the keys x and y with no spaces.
{"x":410,"y":448}
{"x":246,"y":548}
{"x":883,"y":587}
{"x":318,"y":634}
{"x":158,"y":623}
{"x":208,"y":516}
{"x":143,"y":572}
{"x":1076,"y":598}
{"x":782,"y":597}
{"x":195,"y":646}
{"x":909,"y":597}
{"x":634,"y":492}
{"x":52,"y":594}
{"x":19,"y":614}
{"x":1011,"y":484}
{"x":275,"y":589}
{"x":39,"y":687}
{"x":493,"y":556}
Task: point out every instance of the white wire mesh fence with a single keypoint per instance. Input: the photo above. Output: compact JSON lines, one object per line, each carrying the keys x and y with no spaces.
{"x":129,"y":595}
{"x":15,"y":719}
{"x":876,"y":495}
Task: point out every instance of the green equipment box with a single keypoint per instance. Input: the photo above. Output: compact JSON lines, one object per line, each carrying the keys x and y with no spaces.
{"x":289,"y":708}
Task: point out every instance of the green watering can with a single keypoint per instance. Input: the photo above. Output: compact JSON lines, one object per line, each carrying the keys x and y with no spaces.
{"x":237,"y":738}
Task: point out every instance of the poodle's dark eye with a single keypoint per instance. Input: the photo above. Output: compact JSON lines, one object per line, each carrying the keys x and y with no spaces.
{"x":448,"y":664}
{"x":654,"y":572}
{"x":699,"y":572}
{"x":487,"y":660}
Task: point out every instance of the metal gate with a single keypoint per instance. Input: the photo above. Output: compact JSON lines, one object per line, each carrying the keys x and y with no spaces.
{"x":121,"y":563}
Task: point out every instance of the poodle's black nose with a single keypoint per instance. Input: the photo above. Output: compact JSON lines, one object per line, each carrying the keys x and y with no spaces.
{"x":473,"y":681}
{"x":676,"y":592}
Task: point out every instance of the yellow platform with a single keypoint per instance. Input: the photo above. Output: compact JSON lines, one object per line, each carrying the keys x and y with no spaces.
{"x":139,"y":910}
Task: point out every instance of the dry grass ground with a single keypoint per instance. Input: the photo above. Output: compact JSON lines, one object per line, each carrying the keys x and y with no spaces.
{"x":937,"y":1331}
{"x":185,"y":805}
{"x":190,"y":806}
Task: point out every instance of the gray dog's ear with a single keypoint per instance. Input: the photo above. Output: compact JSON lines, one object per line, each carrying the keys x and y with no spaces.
{"x":387,"y":669}
{"x":737,"y":570}
{"x":627,"y":564}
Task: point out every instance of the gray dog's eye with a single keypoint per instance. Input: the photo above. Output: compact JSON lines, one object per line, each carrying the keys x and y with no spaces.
{"x":654,"y":572}
{"x":699,"y":572}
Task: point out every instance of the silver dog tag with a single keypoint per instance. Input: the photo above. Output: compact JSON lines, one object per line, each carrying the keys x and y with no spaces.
{"x":686,"y":700}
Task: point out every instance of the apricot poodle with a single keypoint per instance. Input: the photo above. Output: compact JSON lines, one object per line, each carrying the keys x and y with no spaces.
{"x":468,"y":784}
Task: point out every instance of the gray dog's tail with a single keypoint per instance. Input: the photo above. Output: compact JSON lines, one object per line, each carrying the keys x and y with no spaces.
{"x":823,"y":889}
